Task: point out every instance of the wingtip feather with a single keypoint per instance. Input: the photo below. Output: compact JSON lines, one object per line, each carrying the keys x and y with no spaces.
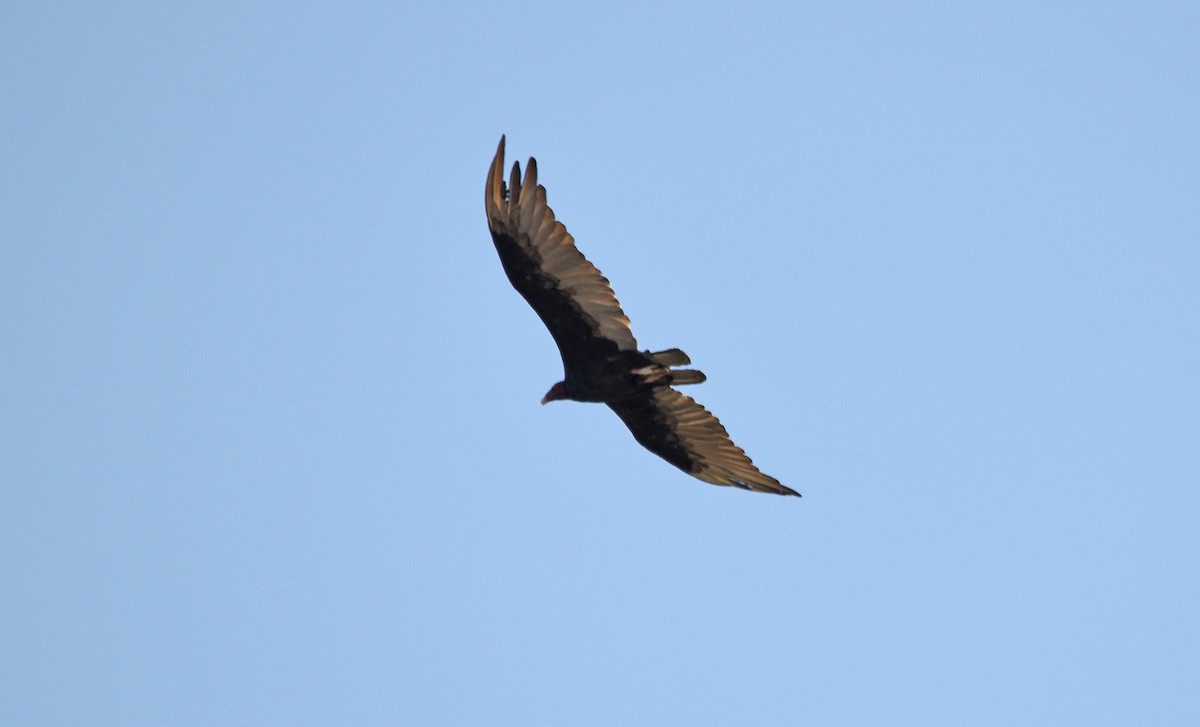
{"x":514,"y":185}
{"x":493,"y":192}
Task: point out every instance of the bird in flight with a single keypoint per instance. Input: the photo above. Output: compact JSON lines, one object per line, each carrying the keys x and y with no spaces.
{"x":601,"y":360}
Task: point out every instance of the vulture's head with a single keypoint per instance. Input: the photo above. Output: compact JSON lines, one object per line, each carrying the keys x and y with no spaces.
{"x":556,"y":392}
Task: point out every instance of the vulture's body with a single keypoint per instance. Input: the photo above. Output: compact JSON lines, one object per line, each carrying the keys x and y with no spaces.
{"x":601,"y":360}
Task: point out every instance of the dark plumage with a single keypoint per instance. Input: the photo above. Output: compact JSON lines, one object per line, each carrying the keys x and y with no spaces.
{"x":601,"y":360}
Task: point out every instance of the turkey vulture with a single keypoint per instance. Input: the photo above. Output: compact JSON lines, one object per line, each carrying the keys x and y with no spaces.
{"x":601,"y":360}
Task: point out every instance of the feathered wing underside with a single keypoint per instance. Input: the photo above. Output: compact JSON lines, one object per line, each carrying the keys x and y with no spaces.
{"x":567,"y":292}
{"x":676,"y":428}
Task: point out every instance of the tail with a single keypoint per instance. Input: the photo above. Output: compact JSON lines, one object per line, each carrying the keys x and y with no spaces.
{"x":673,"y":356}
{"x":687,"y":376}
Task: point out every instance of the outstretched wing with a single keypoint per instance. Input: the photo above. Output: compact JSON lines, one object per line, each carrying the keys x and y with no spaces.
{"x":568,"y":293}
{"x":676,"y":428}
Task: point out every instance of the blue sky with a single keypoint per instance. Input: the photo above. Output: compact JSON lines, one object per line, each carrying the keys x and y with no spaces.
{"x":273,"y":449}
